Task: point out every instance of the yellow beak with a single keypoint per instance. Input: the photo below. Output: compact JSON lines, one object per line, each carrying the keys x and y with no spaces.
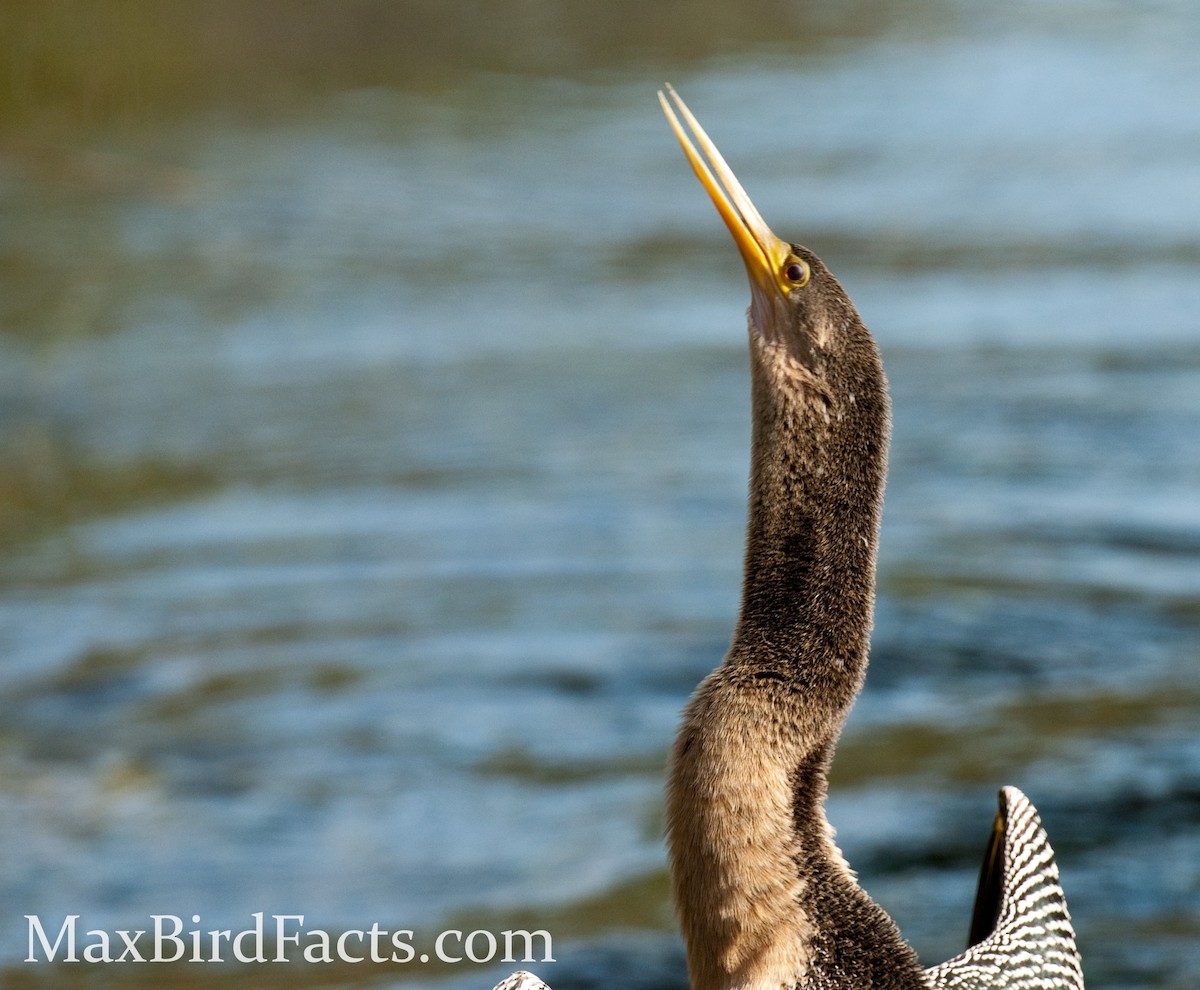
{"x":764,"y":254}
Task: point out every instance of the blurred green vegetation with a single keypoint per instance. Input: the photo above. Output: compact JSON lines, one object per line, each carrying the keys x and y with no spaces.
{"x":71,"y":64}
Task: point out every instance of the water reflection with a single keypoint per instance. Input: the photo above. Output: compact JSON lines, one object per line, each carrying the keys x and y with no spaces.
{"x":80,"y":64}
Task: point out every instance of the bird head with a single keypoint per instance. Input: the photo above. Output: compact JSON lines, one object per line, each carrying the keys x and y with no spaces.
{"x":804,"y":330}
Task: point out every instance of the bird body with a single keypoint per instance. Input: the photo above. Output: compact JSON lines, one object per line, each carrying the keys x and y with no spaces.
{"x":765,"y":899}
{"x":755,"y":871}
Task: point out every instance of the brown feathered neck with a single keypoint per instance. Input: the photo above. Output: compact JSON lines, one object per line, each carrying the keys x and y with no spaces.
{"x":764,"y":897}
{"x":817,"y":471}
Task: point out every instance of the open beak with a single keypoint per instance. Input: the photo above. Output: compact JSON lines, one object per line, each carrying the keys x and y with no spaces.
{"x":763,"y":252}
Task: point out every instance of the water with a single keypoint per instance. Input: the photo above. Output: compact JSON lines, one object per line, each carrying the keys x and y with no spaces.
{"x":376,"y":473}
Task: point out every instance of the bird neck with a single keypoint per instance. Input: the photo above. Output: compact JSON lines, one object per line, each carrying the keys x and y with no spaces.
{"x":764,"y":896}
{"x":816,"y":488}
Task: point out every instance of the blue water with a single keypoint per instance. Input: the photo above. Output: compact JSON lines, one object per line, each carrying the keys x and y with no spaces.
{"x":387,"y":471}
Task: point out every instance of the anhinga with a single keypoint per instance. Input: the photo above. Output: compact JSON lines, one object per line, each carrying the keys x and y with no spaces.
{"x":765,"y":899}
{"x":764,"y":896}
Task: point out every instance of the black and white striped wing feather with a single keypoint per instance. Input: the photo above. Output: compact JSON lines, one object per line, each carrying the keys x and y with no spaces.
{"x":1021,"y":935}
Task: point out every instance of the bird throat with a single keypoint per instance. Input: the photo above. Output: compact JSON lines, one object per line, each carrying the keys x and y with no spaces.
{"x":812,"y":523}
{"x":752,"y":854}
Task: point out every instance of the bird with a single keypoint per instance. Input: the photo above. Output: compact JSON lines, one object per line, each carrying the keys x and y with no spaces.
{"x":764,"y":897}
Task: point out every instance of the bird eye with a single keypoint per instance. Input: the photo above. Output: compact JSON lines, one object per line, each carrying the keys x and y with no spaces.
{"x":797,"y":272}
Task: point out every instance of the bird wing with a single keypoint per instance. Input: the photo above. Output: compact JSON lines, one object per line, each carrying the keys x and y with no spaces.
{"x":1021,"y":935}
{"x":521,"y":980}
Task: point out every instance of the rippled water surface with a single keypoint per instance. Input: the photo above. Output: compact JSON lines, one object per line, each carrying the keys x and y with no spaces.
{"x":375,"y":474}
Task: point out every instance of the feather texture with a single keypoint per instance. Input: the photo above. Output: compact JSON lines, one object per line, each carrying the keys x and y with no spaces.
{"x":1031,"y":944}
